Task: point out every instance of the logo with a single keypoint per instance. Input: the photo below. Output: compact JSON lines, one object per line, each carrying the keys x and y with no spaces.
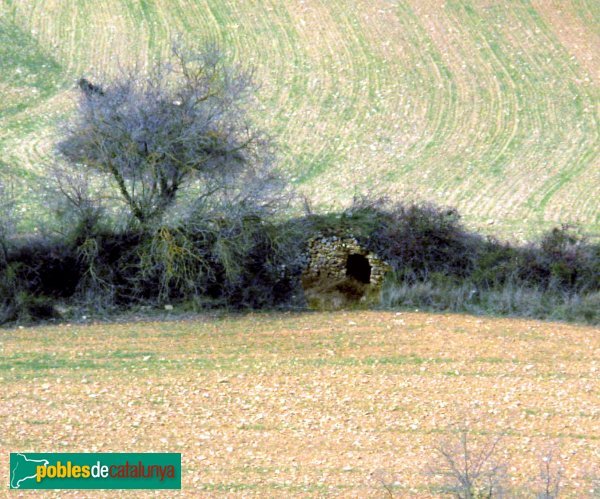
{"x":95,"y":471}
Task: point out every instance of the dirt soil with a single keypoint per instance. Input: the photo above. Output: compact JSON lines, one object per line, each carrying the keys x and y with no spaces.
{"x":315,"y":404}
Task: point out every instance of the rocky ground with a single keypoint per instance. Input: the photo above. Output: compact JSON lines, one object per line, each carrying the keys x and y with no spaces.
{"x":341,"y":404}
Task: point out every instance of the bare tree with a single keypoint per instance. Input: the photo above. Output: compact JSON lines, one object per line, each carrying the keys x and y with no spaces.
{"x":154,"y":134}
{"x":79,"y":198}
{"x":470,"y":470}
{"x":550,"y":477}
{"x":387,"y":481}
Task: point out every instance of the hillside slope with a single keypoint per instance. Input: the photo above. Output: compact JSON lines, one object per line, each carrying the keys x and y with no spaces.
{"x":488,"y":106}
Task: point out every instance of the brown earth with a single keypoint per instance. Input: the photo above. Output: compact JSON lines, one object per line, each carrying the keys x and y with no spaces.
{"x":314,"y":404}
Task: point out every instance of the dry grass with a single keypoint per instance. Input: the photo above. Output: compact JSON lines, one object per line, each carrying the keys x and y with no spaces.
{"x":306,"y":404}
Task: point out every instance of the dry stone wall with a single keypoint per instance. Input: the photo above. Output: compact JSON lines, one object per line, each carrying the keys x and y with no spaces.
{"x":328,"y":256}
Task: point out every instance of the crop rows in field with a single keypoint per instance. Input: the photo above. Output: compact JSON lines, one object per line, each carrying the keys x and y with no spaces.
{"x":488,"y":106}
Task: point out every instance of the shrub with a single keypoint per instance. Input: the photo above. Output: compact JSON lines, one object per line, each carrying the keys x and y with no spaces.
{"x":45,"y":267}
{"x":8,"y":293}
{"x":470,"y":470}
{"x":548,"y":484}
{"x":176,"y":260}
{"x":418,"y":240}
{"x":17,"y":304}
{"x":566,"y":261}
{"x":108,"y":270}
{"x":497,"y":265}
{"x":80,"y":202}
{"x":467,"y":468}
{"x":197,"y":183}
{"x":255,"y":262}
{"x":236,"y":257}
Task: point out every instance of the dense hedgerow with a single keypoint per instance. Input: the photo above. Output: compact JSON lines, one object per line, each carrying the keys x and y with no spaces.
{"x":239,"y":259}
{"x":439,"y":265}
{"x":423,"y":243}
{"x":242,"y":257}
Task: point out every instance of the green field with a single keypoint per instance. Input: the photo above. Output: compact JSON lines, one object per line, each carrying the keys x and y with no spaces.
{"x":492,"y":107}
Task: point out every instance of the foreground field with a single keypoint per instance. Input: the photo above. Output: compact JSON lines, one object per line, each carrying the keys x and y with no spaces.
{"x":491,"y":107}
{"x":311,"y":404}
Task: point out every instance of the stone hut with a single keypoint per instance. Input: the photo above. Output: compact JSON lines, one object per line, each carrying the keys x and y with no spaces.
{"x":340,"y":271}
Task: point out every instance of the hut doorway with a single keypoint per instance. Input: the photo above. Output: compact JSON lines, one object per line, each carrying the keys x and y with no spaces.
{"x":358,"y":267}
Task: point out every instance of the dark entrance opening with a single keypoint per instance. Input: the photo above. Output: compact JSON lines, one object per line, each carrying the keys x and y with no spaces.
{"x":358,"y":266}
